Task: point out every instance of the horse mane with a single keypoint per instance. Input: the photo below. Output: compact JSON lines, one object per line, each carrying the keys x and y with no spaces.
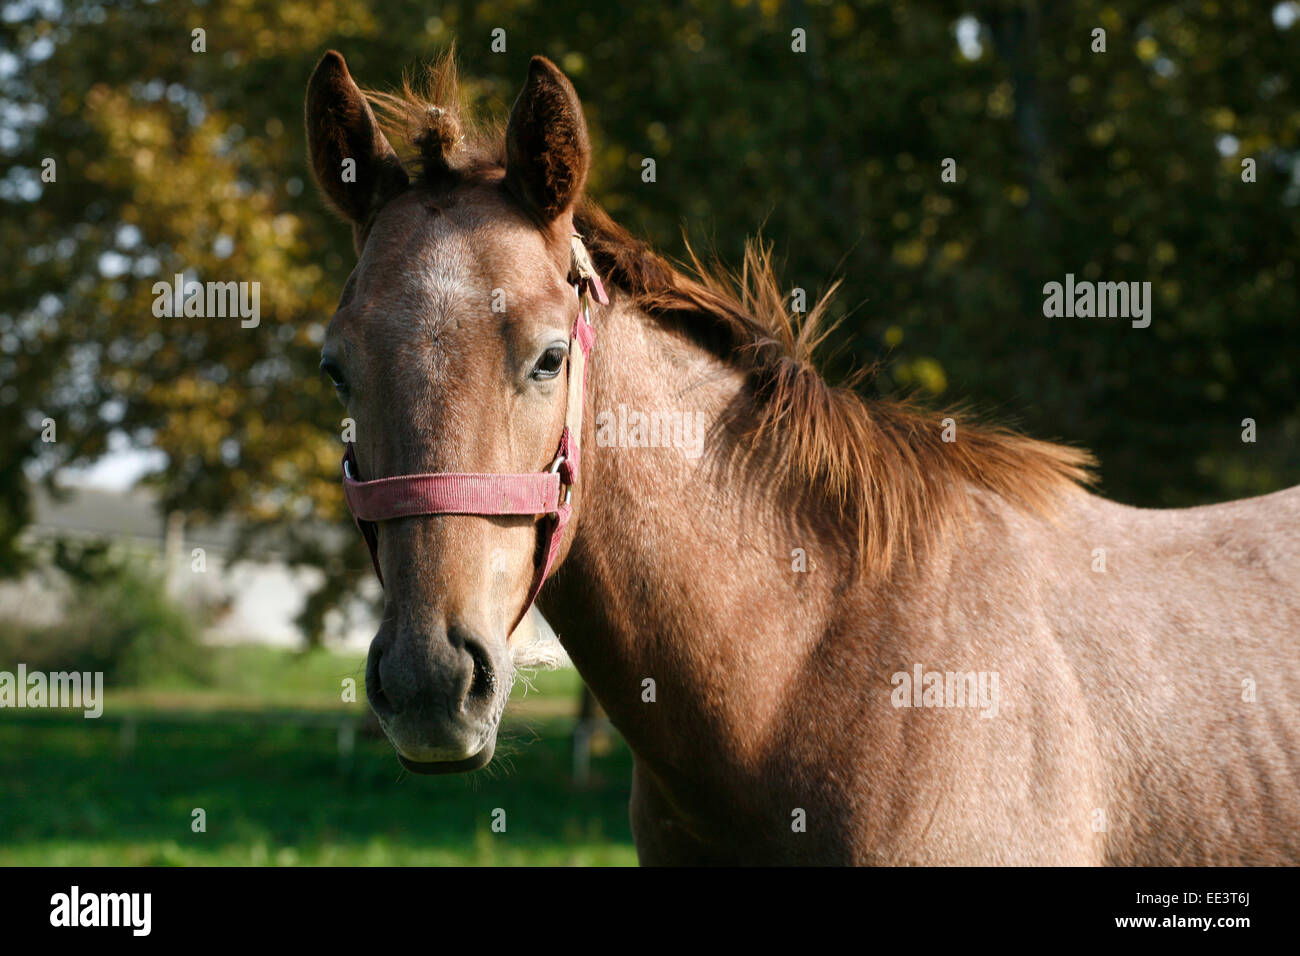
{"x":883,"y":464}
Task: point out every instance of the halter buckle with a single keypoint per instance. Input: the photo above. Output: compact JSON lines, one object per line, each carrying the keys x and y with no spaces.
{"x":555,"y":469}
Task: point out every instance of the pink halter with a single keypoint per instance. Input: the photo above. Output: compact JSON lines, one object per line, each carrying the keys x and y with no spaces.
{"x":547,"y":493}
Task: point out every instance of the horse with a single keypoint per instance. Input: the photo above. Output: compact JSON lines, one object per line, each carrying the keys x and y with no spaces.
{"x":832,"y":629}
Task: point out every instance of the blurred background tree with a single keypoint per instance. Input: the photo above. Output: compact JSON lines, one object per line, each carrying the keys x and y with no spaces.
{"x":1118,"y":166}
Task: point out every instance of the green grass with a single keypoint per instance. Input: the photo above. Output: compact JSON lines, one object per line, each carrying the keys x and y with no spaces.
{"x":258,"y":751}
{"x":251,"y":677}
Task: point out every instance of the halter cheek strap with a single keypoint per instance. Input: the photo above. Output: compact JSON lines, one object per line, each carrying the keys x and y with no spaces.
{"x":546,"y":494}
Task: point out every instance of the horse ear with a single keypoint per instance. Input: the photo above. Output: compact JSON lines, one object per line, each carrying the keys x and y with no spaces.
{"x":342,"y":128}
{"x":547,"y":150}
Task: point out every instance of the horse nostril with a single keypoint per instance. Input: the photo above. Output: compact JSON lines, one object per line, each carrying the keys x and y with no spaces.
{"x":483,"y":679}
{"x":379,"y":701}
{"x":482,"y":676}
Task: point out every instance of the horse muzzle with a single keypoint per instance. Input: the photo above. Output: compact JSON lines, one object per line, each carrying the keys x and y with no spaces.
{"x":439,"y":698}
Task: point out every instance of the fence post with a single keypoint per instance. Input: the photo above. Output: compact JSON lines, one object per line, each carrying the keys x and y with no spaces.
{"x":126,"y":735}
{"x":347,"y":741}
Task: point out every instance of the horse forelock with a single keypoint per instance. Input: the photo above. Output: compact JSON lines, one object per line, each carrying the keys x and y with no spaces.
{"x":438,"y":140}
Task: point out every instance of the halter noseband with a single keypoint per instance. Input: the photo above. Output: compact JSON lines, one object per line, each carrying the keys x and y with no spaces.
{"x":546,"y":493}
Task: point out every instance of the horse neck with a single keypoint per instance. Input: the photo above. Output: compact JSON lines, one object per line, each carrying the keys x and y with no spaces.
{"x":681,"y":569}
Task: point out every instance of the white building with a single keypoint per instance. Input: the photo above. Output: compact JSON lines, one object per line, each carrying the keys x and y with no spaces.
{"x":251,"y":600}
{"x":254,"y":599}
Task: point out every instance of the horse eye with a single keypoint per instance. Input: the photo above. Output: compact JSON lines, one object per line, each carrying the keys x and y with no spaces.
{"x":335,"y":375}
{"x":549,"y":365}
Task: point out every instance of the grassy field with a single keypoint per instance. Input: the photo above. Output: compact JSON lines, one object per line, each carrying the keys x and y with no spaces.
{"x":258,"y":750}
